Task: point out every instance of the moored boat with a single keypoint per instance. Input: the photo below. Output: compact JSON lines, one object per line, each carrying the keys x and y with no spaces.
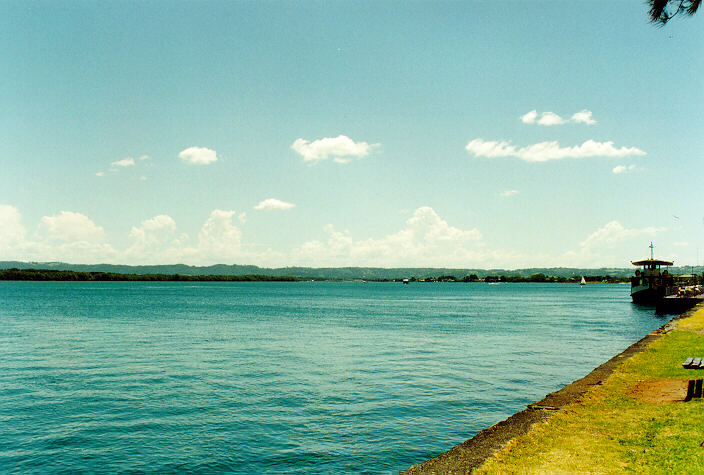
{"x":649,"y":284}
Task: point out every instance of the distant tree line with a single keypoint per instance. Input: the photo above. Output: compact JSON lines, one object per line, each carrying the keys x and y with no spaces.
{"x":539,"y":277}
{"x":68,"y":275}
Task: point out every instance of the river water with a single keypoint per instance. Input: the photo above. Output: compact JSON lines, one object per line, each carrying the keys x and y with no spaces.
{"x":285,"y":377}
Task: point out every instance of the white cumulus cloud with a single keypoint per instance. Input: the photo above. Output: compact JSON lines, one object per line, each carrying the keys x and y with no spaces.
{"x":69,"y":237}
{"x":583,"y":117}
{"x":156,"y":230}
{"x":272,"y":204}
{"x":611,"y":245}
{"x":70,"y":226}
{"x":155,"y":241}
{"x":545,"y":151}
{"x":530,"y":117}
{"x":508,"y":193}
{"x":613,"y":232}
{"x":219,"y":238}
{"x":426,"y":240}
{"x":341,"y":148}
{"x":550,"y":118}
{"x":198,"y":155}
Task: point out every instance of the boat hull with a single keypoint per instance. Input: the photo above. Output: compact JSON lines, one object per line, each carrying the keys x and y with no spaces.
{"x":646,"y":296}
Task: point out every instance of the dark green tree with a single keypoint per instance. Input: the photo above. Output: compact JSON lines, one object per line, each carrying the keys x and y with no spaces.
{"x":662,"y":11}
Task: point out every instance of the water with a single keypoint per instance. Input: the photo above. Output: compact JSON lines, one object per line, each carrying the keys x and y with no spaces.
{"x":284,"y":377}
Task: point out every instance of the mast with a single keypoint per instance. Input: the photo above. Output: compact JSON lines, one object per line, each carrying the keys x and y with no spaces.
{"x":651,"y":250}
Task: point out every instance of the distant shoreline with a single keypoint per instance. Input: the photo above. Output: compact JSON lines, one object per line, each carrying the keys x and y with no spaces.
{"x":46,"y":275}
{"x":382,"y":274}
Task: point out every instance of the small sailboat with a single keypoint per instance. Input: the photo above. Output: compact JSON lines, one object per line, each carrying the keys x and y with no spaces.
{"x":583,"y":281}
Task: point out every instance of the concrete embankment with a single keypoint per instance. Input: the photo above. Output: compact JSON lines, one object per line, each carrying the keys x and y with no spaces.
{"x":578,"y":429}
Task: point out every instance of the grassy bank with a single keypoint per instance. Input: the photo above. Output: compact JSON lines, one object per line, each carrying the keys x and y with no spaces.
{"x":636,"y":420}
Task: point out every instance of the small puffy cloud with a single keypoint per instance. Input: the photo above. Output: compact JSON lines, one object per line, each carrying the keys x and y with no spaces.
{"x":143,"y":157}
{"x":583,"y":117}
{"x":623,"y":169}
{"x":70,"y":226}
{"x":550,"y":118}
{"x":508,"y":193}
{"x":100,"y":174}
{"x":545,"y":151}
{"x":125,"y":162}
{"x":342,"y":149}
{"x":530,"y":117}
{"x":272,"y":204}
{"x":198,"y":155}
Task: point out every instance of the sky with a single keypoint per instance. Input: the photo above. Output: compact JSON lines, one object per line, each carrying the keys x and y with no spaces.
{"x":351,"y":133}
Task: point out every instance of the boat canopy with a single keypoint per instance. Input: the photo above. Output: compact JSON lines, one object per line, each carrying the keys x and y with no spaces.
{"x":650,"y":262}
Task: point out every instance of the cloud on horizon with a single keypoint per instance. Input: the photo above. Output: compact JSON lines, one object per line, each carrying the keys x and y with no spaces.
{"x":70,"y":226}
{"x":341,"y":149}
{"x":611,"y":244}
{"x":426,"y":240}
{"x":546,"y":151}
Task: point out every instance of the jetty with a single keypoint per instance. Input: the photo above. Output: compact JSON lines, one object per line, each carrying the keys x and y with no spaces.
{"x":674,"y":304}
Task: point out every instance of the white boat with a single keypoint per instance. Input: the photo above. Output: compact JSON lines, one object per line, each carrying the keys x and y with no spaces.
{"x":583,"y":282}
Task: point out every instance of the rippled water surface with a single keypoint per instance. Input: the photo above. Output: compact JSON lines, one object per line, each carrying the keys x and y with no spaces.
{"x":295,"y":377}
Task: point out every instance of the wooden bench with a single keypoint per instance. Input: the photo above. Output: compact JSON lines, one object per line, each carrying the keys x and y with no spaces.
{"x":690,"y":390}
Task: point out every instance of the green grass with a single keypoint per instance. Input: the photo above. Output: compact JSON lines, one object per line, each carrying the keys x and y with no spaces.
{"x":613,"y":430}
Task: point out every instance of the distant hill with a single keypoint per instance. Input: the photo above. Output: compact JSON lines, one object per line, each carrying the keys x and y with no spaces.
{"x":334,"y":273}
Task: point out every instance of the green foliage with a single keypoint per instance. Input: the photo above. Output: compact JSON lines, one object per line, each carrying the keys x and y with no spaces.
{"x":67,"y":275}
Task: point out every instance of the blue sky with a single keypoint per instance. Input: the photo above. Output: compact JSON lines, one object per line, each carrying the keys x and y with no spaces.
{"x":449,"y":134}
